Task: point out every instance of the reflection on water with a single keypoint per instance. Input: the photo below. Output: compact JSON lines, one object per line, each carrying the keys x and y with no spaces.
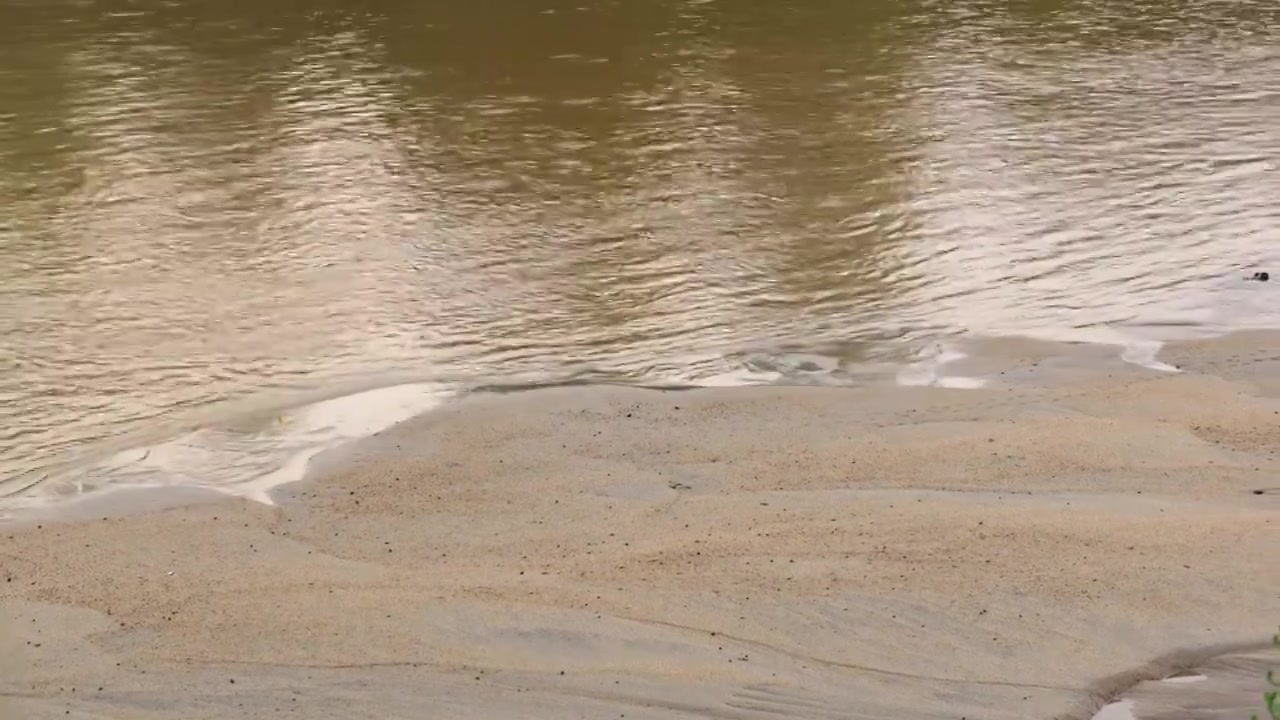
{"x":214,"y":205}
{"x":249,"y":457}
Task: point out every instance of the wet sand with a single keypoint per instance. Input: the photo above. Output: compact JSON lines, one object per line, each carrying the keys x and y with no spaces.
{"x":1024,"y":550}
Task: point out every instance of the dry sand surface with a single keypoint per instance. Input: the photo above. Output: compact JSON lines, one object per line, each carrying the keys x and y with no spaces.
{"x":1021,"y":551}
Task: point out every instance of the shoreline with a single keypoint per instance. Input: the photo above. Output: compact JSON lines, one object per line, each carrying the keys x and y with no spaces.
{"x":1028,"y":549}
{"x":252,"y":453}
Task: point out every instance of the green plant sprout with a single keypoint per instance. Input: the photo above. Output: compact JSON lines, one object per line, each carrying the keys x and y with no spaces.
{"x":1271,"y":698}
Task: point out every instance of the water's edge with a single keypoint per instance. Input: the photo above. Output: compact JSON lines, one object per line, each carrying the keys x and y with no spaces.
{"x":1183,"y":677}
{"x":254,"y":452}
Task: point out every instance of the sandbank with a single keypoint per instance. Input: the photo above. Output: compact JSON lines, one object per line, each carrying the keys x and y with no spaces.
{"x":1029,"y":549}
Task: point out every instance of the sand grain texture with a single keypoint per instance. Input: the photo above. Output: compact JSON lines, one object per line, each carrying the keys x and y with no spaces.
{"x":1019,"y":551}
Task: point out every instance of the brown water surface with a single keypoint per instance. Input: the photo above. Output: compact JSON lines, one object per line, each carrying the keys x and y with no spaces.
{"x":216,"y":206}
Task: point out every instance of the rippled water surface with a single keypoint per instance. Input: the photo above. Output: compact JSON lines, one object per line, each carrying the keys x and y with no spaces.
{"x":213,"y":209}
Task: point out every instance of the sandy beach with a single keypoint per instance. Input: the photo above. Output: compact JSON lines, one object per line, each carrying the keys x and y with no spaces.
{"x":1025,"y":550}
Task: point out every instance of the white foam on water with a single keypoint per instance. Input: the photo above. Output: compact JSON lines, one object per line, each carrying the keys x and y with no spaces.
{"x":246,"y":463}
{"x":1123,"y":709}
{"x":928,"y":371}
{"x":1181,"y":679}
{"x":1134,"y":349}
{"x":327,"y":424}
{"x":1144,"y":354}
{"x":739,"y":378}
{"x":1118,"y":710}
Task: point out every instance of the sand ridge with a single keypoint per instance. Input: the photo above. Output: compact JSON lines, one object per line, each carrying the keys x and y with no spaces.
{"x":1018,"y":551}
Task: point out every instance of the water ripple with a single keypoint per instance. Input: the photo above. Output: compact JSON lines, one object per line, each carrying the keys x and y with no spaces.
{"x":211,"y":207}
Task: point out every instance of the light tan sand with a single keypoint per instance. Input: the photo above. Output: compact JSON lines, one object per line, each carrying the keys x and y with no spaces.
{"x":1021,"y":551}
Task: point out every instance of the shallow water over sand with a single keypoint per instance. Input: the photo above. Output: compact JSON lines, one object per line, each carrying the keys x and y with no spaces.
{"x":214,"y":211}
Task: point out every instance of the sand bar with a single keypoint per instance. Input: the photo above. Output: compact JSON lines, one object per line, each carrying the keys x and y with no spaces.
{"x":1024,"y":550}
